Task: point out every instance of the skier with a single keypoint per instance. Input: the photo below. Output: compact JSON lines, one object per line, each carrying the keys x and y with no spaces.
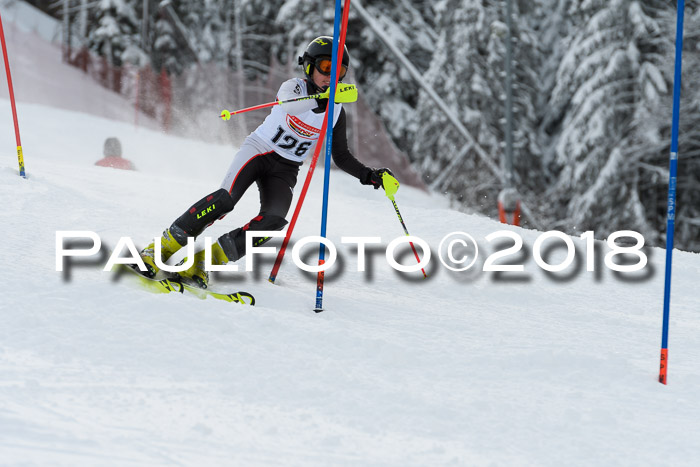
{"x":270,"y":157}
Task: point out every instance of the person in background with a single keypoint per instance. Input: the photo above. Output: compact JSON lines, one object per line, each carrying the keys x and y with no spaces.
{"x":113,"y":156}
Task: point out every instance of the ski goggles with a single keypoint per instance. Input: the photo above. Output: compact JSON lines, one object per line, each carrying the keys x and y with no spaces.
{"x":325,"y":65}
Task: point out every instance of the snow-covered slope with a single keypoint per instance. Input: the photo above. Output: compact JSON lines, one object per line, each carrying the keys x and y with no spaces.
{"x":460,"y":368}
{"x":467,"y":368}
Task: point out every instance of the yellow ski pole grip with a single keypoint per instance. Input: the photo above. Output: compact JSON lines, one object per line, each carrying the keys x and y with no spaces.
{"x":391,"y":185}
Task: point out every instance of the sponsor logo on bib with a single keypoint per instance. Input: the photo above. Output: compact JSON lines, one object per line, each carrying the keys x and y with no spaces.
{"x":302,"y":129}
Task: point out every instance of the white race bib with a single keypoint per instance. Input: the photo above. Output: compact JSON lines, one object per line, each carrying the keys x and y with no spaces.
{"x":293,"y":136}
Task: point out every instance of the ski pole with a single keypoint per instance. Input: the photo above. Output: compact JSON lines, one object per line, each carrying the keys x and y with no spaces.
{"x":345,"y":93}
{"x":391,"y":186}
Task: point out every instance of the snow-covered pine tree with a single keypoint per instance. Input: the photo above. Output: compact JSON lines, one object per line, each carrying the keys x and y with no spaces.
{"x":688,"y":202}
{"x":467,"y":71}
{"x":653,"y":159}
{"x":115,"y":29}
{"x":263,"y":39}
{"x":317,"y":21}
{"x":554,"y":28}
{"x":460,"y":75}
{"x":388,"y":88}
{"x":601,"y":110}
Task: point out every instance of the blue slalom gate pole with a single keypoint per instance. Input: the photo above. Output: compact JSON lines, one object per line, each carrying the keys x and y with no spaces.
{"x":672,"y":173}
{"x":329,"y":144}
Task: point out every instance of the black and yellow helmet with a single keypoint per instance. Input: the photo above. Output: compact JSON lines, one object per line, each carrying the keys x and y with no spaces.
{"x":320,"y":48}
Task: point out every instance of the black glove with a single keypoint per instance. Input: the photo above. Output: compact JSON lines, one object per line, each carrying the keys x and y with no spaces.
{"x":374,"y":177}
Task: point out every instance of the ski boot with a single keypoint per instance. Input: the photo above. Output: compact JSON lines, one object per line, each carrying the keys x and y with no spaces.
{"x":197,"y":274}
{"x":168,"y":246}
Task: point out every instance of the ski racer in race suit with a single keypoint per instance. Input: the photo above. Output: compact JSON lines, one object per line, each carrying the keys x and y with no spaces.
{"x":270,"y":157}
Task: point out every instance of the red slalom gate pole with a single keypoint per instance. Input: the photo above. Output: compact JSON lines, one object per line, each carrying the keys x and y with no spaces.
{"x":20,"y":156}
{"x":314,"y":160}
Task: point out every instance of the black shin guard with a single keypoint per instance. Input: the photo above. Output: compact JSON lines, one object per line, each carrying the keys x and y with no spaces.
{"x":233,"y":243}
{"x":204,"y":213}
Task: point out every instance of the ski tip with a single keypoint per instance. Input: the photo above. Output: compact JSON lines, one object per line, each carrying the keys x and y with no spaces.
{"x":318,"y":310}
{"x":246,"y":294}
{"x":238,"y":297}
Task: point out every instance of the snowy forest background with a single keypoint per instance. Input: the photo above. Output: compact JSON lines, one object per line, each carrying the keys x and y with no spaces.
{"x":592,"y":91}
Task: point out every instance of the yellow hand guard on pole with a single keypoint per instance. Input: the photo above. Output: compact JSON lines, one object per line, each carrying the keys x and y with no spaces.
{"x":391,"y":185}
{"x":344,"y":93}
